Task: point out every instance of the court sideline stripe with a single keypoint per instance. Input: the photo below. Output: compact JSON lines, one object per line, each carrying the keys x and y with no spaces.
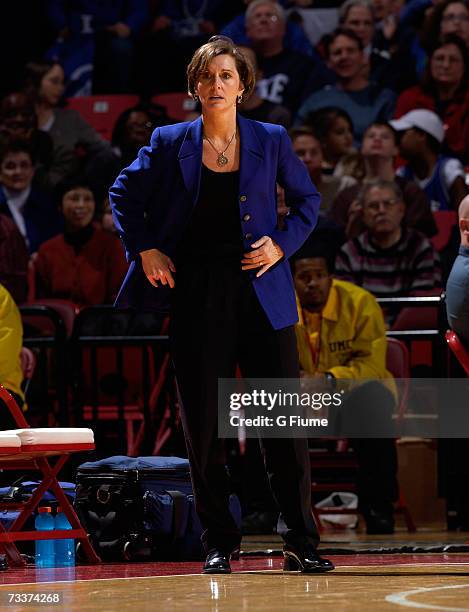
{"x":329,"y":575}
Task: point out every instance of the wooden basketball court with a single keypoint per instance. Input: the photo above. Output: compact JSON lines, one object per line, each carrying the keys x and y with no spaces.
{"x":361,"y":582}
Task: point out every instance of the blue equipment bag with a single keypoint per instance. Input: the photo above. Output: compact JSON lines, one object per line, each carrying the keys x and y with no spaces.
{"x":137,"y":508}
{"x":21,"y":491}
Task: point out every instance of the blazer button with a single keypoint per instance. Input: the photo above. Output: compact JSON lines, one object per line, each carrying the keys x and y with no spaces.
{"x":246,"y":217}
{"x":247,"y":236}
{"x":242,"y":198}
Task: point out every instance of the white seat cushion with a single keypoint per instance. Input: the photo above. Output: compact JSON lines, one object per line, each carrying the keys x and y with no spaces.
{"x":53,"y":435}
{"x":9,"y":440}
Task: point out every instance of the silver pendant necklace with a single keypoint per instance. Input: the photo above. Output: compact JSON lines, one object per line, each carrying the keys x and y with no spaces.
{"x":222,"y":160}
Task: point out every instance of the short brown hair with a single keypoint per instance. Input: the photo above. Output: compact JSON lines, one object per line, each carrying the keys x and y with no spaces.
{"x":302,"y":130}
{"x":333,"y":36}
{"x":220,"y":45}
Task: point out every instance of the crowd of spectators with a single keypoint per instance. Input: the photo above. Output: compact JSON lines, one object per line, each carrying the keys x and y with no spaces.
{"x":378,"y":93}
{"x":375,"y":98}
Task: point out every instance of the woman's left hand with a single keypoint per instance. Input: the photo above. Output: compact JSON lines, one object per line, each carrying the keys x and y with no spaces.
{"x":266,"y":253}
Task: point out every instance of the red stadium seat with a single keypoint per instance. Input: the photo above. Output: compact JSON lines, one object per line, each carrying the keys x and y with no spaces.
{"x":102,"y":112}
{"x":66,"y":310}
{"x":460,"y":351}
{"x":445,"y":221}
{"x":177,"y":105}
{"x":398,"y":363}
{"x":417,"y":317}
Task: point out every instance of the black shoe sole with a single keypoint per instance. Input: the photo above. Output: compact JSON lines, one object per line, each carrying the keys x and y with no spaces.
{"x":216,"y":571}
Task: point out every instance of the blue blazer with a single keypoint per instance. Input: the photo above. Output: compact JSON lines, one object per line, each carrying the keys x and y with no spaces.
{"x":153,"y":198}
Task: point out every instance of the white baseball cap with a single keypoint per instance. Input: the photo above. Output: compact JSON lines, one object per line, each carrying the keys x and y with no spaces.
{"x":425,"y":120}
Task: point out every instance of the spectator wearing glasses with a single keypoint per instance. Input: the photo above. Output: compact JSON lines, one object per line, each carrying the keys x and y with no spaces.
{"x":379,"y":151}
{"x":444,"y":90}
{"x":132,"y":131}
{"x":288,"y":76}
{"x":388,"y":259}
{"x":427,"y":21}
{"x":447,"y":17}
{"x":18,"y":121}
{"x":294,"y":38}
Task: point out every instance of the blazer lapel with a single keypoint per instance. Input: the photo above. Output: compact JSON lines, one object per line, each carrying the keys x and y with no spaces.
{"x":190,"y":155}
{"x":190,"y":158}
{"x":252,"y":153}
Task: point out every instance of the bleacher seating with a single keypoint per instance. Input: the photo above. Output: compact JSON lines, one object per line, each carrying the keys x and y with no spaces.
{"x":102,"y":112}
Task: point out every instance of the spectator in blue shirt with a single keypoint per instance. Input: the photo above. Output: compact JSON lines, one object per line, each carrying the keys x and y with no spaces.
{"x":112,"y":24}
{"x":442,"y":178}
{"x":354,"y":93}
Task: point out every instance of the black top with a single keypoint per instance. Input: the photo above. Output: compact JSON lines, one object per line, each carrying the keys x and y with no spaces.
{"x":214,"y":228}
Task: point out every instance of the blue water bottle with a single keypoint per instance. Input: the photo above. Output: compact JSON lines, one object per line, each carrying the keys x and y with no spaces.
{"x":64,"y":549}
{"x":45,"y":554}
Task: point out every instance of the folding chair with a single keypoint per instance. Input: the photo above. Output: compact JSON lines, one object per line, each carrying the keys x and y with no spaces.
{"x":31,"y":449}
{"x":118,"y":381}
{"x":398,"y":363}
{"x":47,"y":326}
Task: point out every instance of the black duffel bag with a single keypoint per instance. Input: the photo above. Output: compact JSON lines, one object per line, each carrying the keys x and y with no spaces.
{"x":141,"y":508}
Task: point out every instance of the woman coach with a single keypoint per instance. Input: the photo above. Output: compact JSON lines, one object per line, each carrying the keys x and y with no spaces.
{"x":197,"y":214}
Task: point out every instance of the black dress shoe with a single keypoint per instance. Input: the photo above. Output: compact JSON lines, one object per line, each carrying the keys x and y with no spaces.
{"x":304,"y":559}
{"x":218,"y":562}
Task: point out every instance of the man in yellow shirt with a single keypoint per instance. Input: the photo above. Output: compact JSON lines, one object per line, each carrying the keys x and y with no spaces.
{"x":11,"y":338}
{"x":341,"y":335}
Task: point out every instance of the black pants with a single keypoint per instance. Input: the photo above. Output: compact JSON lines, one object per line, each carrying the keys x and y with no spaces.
{"x":217,"y":323}
{"x":370,"y":407}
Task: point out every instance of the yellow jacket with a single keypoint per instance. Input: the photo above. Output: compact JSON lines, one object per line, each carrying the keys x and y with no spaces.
{"x":11,"y":340}
{"x":352,"y":342}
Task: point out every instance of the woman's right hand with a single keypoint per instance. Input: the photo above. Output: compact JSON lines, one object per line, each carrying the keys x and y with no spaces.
{"x":158,"y":267}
